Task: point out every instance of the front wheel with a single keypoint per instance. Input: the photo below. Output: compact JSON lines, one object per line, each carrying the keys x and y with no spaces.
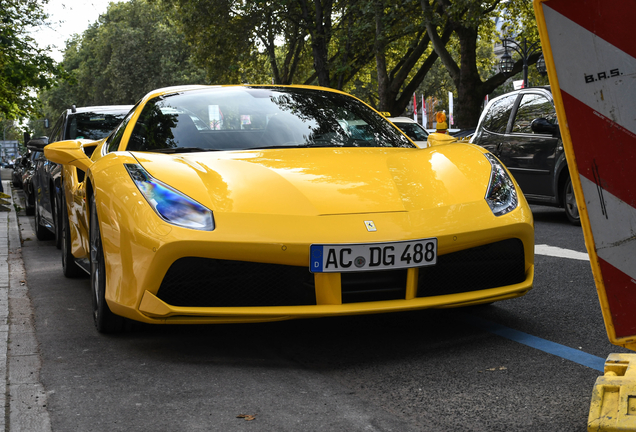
{"x":41,"y":232}
{"x":569,"y":203}
{"x":105,"y":320}
{"x":29,"y":202}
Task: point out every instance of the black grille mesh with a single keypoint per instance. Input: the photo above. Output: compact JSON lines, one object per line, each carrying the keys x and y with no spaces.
{"x":208,"y":283}
{"x":489,"y":266}
{"x":373,"y":286}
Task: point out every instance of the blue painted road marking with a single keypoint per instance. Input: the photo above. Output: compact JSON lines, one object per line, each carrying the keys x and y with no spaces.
{"x":553,"y":348}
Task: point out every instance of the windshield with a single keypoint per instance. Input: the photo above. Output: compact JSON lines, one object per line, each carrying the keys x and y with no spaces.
{"x":93,"y":125}
{"x":240,"y":118}
{"x":413,"y":130}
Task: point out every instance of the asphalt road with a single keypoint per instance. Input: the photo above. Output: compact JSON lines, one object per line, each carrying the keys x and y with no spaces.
{"x":432,"y":370}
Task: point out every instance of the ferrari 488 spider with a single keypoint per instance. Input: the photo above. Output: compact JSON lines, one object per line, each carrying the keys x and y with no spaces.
{"x":260,"y":203}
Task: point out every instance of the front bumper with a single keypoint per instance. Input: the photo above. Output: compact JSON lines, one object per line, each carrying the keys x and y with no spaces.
{"x":479,"y":275}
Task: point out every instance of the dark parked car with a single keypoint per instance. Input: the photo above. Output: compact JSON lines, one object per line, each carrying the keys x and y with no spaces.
{"x":90,"y":123}
{"x":521,"y":129}
{"x":464,"y":133}
{"x":18,"y":167}
{"x":28,"y":171}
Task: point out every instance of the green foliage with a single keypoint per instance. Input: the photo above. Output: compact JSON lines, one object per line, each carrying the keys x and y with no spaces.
{"x":242,"y":42}
{"x":10,"y":130}
{"x":24,"y":67}
{"x":133,"y":48}
{"x":379,"y":50}
{"x":474,"y":26}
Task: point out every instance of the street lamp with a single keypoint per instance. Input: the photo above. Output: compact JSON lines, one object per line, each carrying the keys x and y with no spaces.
{"x":541,"y":66}
{"x":506,"y":64}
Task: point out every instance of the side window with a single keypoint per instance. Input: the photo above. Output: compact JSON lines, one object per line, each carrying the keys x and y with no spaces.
{"x":496,"y":119}
{"x":533,"y":106}
{"x":56,"y":133}
{"x":112,"y":144}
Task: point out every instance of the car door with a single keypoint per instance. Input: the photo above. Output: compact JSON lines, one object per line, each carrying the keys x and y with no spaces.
{"x":491,"y":132}
{"x":43,"y":173}
{"x":530,"y":153}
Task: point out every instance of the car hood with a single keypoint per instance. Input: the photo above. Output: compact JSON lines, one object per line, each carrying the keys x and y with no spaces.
{"x":325,"y":181}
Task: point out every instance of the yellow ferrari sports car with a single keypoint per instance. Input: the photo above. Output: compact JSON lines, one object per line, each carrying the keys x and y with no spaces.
{"x":226,"y":204}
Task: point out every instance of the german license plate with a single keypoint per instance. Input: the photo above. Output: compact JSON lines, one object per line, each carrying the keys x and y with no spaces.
{"x":340,"y":258}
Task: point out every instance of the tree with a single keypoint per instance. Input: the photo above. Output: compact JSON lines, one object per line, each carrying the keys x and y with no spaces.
{"x":24,"y":67}
{"x":243,"y":42}
{"x":318,"y":20}
{"x":471,"y":21}
{"x":132,"y":49}
{"x":400,"y":31}
{"x":324,"y":42}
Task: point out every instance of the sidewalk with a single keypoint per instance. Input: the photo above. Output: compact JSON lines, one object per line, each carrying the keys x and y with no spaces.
{"x":21,"y":392}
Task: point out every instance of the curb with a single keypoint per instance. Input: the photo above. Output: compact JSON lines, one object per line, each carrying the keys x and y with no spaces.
{"x":25,"y":400}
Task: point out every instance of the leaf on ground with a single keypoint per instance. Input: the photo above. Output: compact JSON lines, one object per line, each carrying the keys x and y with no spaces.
{"x":247,"y":417}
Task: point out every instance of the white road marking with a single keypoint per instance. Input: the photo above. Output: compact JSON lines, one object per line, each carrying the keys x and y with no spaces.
{"x":559,"y":252}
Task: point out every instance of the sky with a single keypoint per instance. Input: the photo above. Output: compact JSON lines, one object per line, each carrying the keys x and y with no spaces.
{"x":67,"y":17}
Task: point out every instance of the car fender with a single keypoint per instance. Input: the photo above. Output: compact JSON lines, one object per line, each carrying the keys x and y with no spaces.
{"x":125,"y":222}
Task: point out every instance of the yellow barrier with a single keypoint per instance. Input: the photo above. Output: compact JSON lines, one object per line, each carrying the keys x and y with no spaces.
{"x":613,"y":406}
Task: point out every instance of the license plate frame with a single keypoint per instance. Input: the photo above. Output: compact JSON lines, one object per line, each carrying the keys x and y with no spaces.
{"x":359,"y":257}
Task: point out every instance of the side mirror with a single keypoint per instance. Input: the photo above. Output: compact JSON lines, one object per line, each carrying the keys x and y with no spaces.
{"x":37,"y":144}
{"x":543,"y":126}
{"x":68,"y":153}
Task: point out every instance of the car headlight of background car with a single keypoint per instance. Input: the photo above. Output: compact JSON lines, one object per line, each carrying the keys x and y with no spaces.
{"x":171,"y":205}
{"x":501,"y":195}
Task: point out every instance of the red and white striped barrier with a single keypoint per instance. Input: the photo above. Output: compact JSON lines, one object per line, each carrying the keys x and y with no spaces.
{"x":590,"y":52}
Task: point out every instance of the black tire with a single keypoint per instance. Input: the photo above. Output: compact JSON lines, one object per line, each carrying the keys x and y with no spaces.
{"x":57,"y":220}
{"x":569,"y":202}
{"x":105,"y":320}
{"x":69,"y":267}
{"x":30,"y":207}
{"x":41,"y":232}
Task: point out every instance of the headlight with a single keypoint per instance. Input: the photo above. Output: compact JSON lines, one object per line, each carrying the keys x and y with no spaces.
{"x":171,"y":205}
{"x":501,"y":195}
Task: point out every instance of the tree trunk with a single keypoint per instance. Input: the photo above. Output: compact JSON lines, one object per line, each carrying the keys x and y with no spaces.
{"x":380,"y":59}
{"x":469,"y":86}
{"x":318,"y":21}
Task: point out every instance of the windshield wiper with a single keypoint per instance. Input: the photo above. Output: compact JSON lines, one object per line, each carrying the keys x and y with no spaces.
{"x":276,"y":147}
{"x":313,"y":145}
{"x":182,"y":150}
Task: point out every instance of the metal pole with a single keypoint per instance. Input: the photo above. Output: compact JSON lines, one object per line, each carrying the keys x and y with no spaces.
{"x":525,"y":64}
{"x":524,"y":52}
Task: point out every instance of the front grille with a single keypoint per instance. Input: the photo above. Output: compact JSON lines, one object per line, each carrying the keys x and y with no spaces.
{"x":373,"y":286}
{"x":202,"y":282}
{"x":489,"y":266}
{"x":216,"y":283}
